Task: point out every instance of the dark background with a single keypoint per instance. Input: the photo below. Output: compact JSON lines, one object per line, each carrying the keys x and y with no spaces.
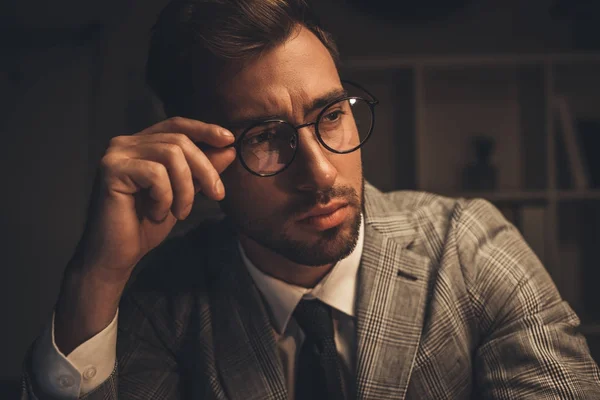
{"x":71,"y":77}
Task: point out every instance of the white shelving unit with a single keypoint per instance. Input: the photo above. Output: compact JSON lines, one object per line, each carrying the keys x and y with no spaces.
{"x":432,"y":106}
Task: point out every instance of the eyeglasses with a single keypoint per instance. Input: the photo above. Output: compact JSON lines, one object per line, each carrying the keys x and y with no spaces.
{"x":343,"y":126}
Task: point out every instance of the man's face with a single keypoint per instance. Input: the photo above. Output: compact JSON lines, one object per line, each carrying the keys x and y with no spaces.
{"x":284,"y":83}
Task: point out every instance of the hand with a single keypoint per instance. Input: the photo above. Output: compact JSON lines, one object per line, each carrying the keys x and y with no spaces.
{"x":145,"y":183}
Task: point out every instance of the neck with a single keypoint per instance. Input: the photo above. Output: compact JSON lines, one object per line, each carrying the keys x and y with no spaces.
{"x":281,"y":268}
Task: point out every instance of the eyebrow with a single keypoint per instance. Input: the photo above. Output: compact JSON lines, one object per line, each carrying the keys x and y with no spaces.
{"x":318,"y":103}
{"x":329,"y":97}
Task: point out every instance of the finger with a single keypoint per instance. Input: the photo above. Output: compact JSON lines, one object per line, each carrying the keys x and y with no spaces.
{"x":182,"y":166}
{"x":197,"y":131}
{"x":134,"y":175}
{"x":219,"y":157}
{"x":180,"y":175}
{"x":200,"y":165}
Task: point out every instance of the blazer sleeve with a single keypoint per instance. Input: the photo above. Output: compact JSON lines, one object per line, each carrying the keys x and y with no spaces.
{"x":530,"y":341}
{"x":146,"y":366}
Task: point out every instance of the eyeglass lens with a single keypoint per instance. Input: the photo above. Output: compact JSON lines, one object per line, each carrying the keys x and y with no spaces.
{"x":269,"y":147}
{"x":346,"y":124}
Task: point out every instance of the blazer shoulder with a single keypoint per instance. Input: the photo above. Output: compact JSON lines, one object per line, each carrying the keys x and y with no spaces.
{"x":429,"y":212}
{"x":438,"y":220}
{"x":413,"y":200}
{"x":448,"y":212}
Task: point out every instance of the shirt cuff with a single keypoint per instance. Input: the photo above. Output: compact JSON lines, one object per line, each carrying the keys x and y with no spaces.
{"x":82,"y":371}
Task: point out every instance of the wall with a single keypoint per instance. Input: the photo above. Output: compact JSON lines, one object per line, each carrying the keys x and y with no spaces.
{"x":44,"y":153}
{"x":484,"y":26}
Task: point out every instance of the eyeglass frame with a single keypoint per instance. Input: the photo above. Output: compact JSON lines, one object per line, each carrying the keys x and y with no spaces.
{"x":371,"y":103}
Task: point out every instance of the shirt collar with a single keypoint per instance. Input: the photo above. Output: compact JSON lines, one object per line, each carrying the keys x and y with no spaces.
{"x":337,"y":289}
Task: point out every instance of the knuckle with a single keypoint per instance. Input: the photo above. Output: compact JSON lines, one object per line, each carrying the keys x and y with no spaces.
{"x":172,"y":150}
{"x":182,"y":140}
{"x":108,"y":161}
{"x":174,"y":157}
{"x":157,"y":172}
{"x":117,"y":141}
{"x":174,"y":123}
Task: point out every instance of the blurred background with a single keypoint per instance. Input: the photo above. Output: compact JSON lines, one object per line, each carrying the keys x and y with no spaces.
{"x":497,"y":99}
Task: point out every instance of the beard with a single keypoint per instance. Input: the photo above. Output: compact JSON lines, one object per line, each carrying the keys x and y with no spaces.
{"x":324,"y":247}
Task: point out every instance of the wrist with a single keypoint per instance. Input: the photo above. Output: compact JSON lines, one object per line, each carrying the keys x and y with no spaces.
{"x":86,"y":305}
{"x":82,"y":267}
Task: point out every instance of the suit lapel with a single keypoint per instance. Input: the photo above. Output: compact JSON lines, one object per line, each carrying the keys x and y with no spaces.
{"x":245,"y":348}
{"x":391,"y":299}
{"x":392,"y":289}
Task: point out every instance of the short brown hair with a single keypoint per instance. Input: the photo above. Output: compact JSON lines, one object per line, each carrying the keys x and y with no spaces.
{"x":193,"y":40}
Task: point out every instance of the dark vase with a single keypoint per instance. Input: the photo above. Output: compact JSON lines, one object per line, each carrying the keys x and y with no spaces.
{"x":480,"y":174}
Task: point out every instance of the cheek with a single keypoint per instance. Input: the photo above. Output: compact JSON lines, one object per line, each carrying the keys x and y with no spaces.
{"x":234,"y":178}
{"x":233,"y":175}
{"x":246,"y":192}
{"x":348,"y":166}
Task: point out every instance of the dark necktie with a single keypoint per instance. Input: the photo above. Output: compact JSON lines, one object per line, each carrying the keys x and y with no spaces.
{"x":318,"y":372}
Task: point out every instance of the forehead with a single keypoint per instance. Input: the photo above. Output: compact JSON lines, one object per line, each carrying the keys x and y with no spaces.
{"x":282,"y":80}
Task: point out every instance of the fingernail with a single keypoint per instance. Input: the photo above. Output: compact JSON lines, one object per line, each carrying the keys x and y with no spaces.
{"x":227,"y":134}
{"x":219,"y":189}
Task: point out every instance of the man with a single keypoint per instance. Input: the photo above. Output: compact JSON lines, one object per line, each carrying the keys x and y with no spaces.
{"x":315,"y":285}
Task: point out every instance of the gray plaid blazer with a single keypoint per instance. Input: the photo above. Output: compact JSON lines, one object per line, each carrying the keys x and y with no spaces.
{"x":451,"y":304}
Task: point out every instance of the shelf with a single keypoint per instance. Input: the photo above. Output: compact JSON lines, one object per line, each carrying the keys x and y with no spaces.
{"x":495,"y":60}
{"x":502,"y":197}
{"x":524,"y":196}
{"x":592,"y":194}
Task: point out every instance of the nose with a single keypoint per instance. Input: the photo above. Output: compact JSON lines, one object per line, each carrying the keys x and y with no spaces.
{"x":314,"y":170}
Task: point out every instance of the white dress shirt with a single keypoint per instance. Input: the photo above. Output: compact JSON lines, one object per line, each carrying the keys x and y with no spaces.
{"x":337,"y":289}
{"x":92,"y":362}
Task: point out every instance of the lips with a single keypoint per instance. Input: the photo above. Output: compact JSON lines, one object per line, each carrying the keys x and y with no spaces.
{"x":326,"y":217}
{"x":323,"y":210}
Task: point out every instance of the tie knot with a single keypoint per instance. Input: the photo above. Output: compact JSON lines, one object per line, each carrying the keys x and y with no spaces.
{"x":314,"y":317}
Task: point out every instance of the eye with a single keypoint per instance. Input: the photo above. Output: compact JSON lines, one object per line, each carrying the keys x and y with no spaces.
{"x":333,"y":116}
{"x":259,"y":138}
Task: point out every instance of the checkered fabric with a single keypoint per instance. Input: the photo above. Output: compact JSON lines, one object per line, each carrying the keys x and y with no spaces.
{"x":451,"y":304}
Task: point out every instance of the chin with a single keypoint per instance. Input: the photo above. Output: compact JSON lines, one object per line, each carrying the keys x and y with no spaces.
{"x":318,"y":248}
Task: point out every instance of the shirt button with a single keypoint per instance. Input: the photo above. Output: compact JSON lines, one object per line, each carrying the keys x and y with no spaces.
{"x":66,"y":381}
{"x":89,"y":373}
